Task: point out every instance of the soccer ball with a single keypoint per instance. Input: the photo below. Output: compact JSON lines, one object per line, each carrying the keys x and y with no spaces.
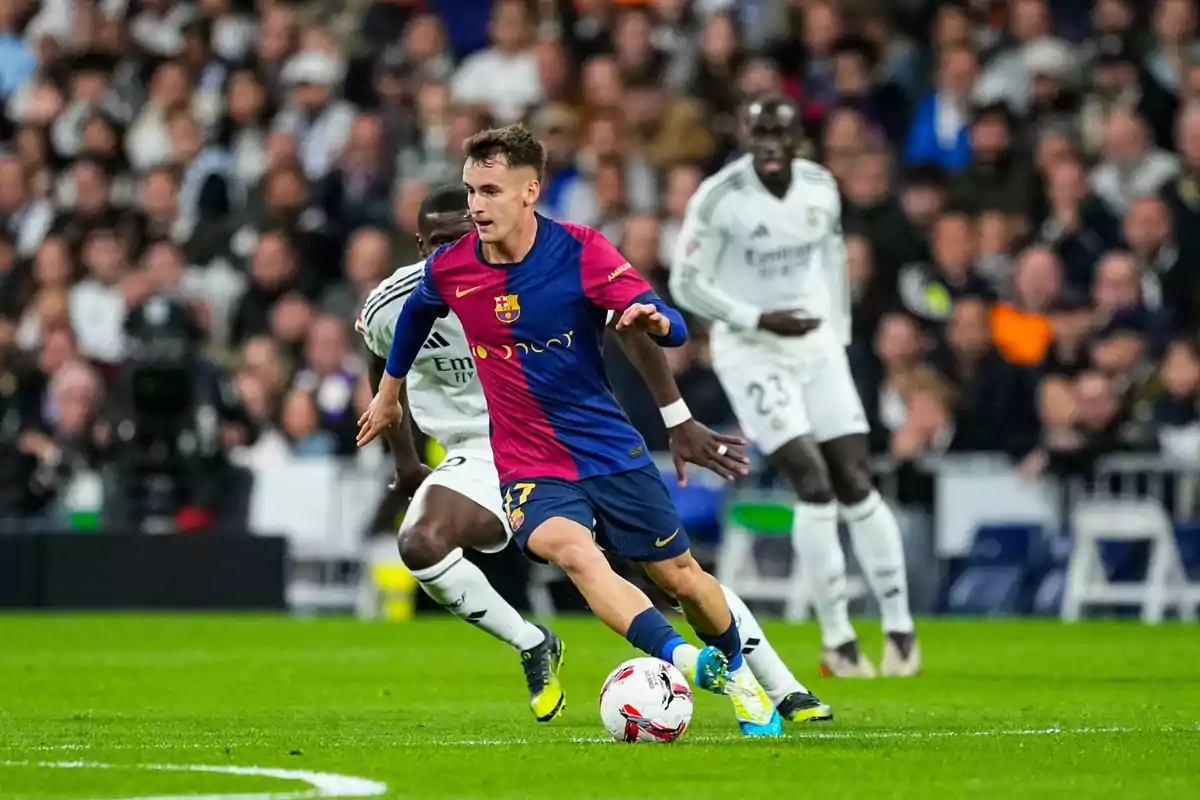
{"x":646,"y":700}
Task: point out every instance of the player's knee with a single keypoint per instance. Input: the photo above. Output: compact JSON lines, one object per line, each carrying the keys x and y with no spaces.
{"x":682,"y":578}
{"x":800,"y":462}
{"x":852,"y":482}
{"x":582,"y":562}
{"x":812,"y":483}
{"x":423,"y":544}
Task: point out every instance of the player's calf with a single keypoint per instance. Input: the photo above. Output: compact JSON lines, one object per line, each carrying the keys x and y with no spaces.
{"x":815,"y":537}
{"x":439,"y":524}
{"x":879,"y":545}
{"x":430,"y":550}
{"x":621,"y":605}
{"x":424,"y":544}
{"x":569,"y":545}
{"x":703,"y":601}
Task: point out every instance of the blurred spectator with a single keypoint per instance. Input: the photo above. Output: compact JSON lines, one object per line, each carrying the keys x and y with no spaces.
{"x":1131,"y":166}
{"x":25,"y":218}
{"x":1118,"y":84}
{"x":939,"y":130}
{"x":682,"y":181}
{"x":1183,"y":196}
{"x":1084,"y":424}
{"x":273,"y":274}
{"x":610,"y":178}
{"x":884,"y":104}
{"x":329,"y":376}
{"x":98,"y":302}
{"x":301,"y":426}
{"x":1177,"y":409}
{"x":357,"y":192}
{"x":872,"y":209}
{"x":1029,"y":52}
{"x":928,"y":427}
{"x":1020,"y":328}
{"x":312,"y":114}
{"x":997,"y":179}
{"x":368,"y":261}
{"x":1168,"y":283}
{"x":899,"y":348}
{"x":1077,"y":225}
{"x":504,"y":77}
{"x":1070,"y":317}
{"x":994,"y":411}
{"x":929,"y":290}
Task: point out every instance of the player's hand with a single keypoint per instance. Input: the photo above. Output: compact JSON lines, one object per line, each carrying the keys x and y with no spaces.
{"x":408,"y":478}
{"x":379,"y":415}
{"x":693,"y":443}
{"x":792,"y":322}
{"x":646,"y":318}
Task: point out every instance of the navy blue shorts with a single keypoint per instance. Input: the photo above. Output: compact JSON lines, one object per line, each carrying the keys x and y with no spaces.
{"x":630,"y":513}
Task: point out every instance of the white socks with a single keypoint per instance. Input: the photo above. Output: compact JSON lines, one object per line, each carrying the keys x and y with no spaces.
{"x":880,"y":550}
{"x":760,"y":656}
{"x":461,"y":588}
{"x":684,"y":657}
{"x":823,"y":566}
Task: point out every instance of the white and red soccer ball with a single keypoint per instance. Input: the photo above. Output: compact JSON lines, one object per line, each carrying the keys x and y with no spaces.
{"x":646,"y":700}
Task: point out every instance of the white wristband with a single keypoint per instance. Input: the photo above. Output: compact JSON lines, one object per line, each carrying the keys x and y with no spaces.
{"x":675,"y":414}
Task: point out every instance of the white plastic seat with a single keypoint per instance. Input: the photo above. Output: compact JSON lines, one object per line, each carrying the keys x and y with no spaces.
{"x":1105,"y":520}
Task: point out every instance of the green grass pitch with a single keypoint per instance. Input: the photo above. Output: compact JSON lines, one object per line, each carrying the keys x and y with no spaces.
{"x":435,"y":709}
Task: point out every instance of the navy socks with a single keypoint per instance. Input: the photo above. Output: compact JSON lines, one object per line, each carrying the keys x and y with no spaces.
{"x":651,"y":633}
{"x":729,"y":643}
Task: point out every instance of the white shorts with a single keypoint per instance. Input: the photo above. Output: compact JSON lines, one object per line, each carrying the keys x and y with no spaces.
{"x":469,"y":469}
{"x":779,"y":399}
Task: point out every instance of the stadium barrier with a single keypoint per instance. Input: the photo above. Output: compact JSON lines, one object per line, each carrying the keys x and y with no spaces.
{"x":979,"y":537}
{"x":132,"y":571}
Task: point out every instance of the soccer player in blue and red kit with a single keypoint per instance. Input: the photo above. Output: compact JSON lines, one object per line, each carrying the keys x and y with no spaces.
{"x":533,"y":296}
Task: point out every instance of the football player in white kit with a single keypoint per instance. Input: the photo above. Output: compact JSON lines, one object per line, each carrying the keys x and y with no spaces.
{"x":761,"y":255}
{"x":459,"y":504}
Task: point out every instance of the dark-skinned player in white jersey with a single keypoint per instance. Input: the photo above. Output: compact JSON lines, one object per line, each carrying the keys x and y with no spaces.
{"x":761,"y":256}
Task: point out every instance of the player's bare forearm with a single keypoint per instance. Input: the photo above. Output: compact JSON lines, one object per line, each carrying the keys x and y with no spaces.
{"x":691,"y":442}
{"x":398,"y":436}
{"x":651,"y":363}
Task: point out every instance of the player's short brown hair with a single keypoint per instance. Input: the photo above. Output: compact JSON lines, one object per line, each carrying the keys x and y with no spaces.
{"x":512,"y":143}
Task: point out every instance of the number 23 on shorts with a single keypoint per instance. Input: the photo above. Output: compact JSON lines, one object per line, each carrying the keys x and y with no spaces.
{"x":512,"y":506}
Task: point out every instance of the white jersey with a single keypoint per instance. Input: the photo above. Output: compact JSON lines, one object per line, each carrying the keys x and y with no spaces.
{"x":446,"y":401}
{"x":743,"y":251}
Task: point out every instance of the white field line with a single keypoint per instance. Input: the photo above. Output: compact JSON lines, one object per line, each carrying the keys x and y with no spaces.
{"x":322,"y":784}
{"x":849,"y":735}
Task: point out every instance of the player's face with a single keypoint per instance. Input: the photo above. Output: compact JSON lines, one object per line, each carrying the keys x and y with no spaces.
{"x":499,"y":197}
{"x":772,"y":136}
{"x":440,"y":229}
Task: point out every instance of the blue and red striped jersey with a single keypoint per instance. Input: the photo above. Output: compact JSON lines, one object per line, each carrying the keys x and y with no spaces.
{"x":535,"y":330}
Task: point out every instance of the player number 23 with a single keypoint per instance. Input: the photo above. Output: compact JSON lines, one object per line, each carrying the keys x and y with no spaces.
{"x":768,"y":395}
{"x":522,"y":490}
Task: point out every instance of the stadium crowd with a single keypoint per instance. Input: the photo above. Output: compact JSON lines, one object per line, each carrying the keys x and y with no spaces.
{"x":1021,"y":184}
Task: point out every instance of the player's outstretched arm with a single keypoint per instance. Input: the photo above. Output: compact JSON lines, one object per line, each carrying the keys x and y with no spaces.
{"x":650,"y":315}
{"x":691,"y":442}
{"x":410,"y":470}
{"x":422,"y":308}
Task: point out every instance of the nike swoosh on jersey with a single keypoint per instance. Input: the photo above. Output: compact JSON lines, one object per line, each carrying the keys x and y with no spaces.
{"x":460,"y":292}
{"x":666,"y":541}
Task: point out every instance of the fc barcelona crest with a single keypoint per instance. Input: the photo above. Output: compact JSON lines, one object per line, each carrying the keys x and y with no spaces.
{"x":508,"y":308}
{"x":516,"y":518}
